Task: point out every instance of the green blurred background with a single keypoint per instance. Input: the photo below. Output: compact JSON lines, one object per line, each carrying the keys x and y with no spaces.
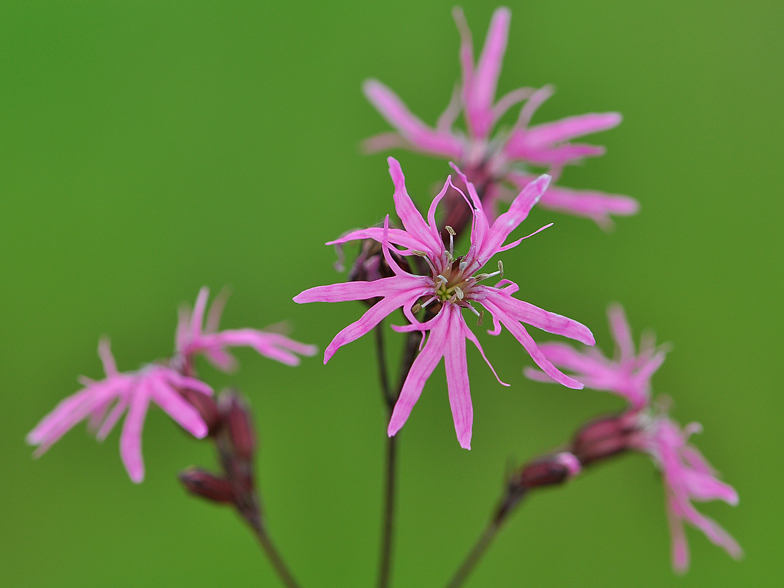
{"x":151,"y":148}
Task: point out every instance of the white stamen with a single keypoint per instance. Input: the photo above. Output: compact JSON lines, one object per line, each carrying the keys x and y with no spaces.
{"x":424,"y":304}
{"x":443,"y":280}
{"x":463,"y":265}
{"x":475,"y":311}
{"x":459,"y":293}
{"x":452,"y":234}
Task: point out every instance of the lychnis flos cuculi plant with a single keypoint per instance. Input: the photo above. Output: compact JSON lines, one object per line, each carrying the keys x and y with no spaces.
{"x":438,"y":279}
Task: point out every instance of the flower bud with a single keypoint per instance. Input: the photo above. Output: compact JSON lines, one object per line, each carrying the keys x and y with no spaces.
{"x":548,"y":471}
{"x":239,"y":425}
{"x":208,"y":409}
{"x":604,"y":437}
{"x":209,"y":486}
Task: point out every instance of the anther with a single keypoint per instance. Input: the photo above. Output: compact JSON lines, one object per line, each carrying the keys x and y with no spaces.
{"x":501,"y":268}
{"x":459,"y":293}
{"x":418,"y":253}
{"x":416,"y":308}
{"x":481,"y":318}
{"x":443,"y":280}
{"x":452,"y":234}
{"x":462,"y":265}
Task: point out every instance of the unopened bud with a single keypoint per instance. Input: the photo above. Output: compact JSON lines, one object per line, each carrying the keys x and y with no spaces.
{"x":604,"y":438}
{"x":207,"y":485}
{"x":208,"y":409}
{"x":239,"y":425}
{"x":548,"y":471}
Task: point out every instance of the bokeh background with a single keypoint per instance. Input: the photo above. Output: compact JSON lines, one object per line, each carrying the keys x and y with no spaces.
{"x":151,"y":148}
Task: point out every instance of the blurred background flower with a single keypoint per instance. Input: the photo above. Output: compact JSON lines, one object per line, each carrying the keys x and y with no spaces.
{"x":151,"y":148}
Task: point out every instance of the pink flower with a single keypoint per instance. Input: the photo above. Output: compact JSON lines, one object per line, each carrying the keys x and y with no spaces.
{"x":452,"y":284}
{"x":687,"y":476}
{"x":105,"y":401}
{"x":627,"y":375}
{"x":195,"y":336}
{"x":487,"y":160}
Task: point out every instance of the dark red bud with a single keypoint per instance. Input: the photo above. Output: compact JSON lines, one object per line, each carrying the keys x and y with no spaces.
{"x":209,"y":486}
{"x":604,"y":437}
{"x":237,"y":419}
{"x":207,"y":407}
{"x":547,"y":471}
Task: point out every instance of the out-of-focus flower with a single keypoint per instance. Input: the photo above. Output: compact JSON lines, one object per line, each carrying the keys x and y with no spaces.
{"x":195,"y":336}
{"x":452,"y":284}
{"x":103,"y":402}
{"x":687,"y":476}
{"x":171,"y":385}
{"x":627,"y":375}
{"x":489,"y":161}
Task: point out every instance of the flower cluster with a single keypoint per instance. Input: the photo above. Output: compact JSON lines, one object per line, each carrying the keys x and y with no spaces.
{"x":416,"y":269}
{"x":166,"y":383}
{"x":647,"y":428}
{"x":495,"y":163}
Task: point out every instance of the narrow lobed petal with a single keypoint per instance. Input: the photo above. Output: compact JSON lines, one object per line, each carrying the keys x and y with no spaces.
{"x":479,"y":103}
{"x":420,"y":371}
{"x":411,"y":127}
{"x":511,"y":219}
{"x":456,"y":367}
{"x":372,"y":317}
{"x":131,"y":436}
{"x":181,"y":412}
{"x":547,"y":134}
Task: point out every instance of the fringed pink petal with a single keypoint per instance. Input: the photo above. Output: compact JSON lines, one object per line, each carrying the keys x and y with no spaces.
{"x":180,"y":381}
{"x":471,"y":337}
{"x":411,"y":218}
{"x":197,"y":317}
{"x":396,"y":237}
{"x":272,"y":345}
{"x":539,"y":318}
{"x":107,"y":359}
{"x":131,"y":436}
{"x":346,"y":291}
{"x":420,"y":371}
{"x":598,"y":206}
{"x":457,"y":376}
{"x":522,"y":336}
{"x":679,"y":545}
{"x":705,"y":487}
{"x":216,"y":310}
{"x":372,"y":317}
{"x":511,"y":219}
{"x":181,"y":412}
{"x":550,"y":133}
{"x":385,"y":141}
{"x":412,"y":128}
{"x":112,"y":418}
{"x":508,"y":100}
{"x":479,"y":105}
{"x":621,"y":332}
{"x":466,"y":51}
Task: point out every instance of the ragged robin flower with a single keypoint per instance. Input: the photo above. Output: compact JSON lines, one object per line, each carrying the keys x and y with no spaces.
{"x":628,"y":374}
{"x":497,"y":163}
{"x":687,"y":476}
{"x":452,"y":284}
{"x":171,"y":384}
